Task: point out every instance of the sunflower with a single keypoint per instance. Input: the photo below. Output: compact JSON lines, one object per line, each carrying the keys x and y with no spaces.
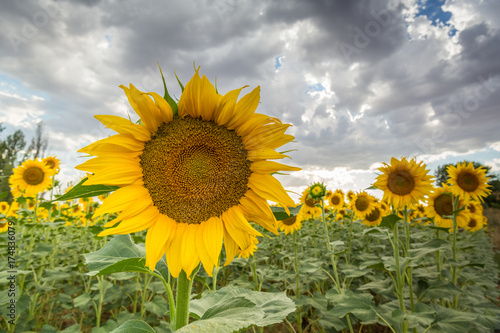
{"x":440,"y":206}
{"x":468,"y":182}
{"x":475,"y":222}
{"x":350,"y":195}
{"x":4,"y":207}
{"x":337,"y":199}
{"x":194,"y":179}
{"x":374,"y":218}
{"x":317,"y":191}
{"x":31,"y":178}
{"x":362,"y":204}
{"x":4,"y":225}
{"x":474,"y":207}
{"x":52,"y":162}
{"x":403,"y":182}
{"x":291,"y":224}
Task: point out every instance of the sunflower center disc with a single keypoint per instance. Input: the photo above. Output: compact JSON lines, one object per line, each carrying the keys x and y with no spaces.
{"x":33,"y":176}
{"x":468,"y":182}
{"x":289,"y":221}
{"x":194,"y":169}
{"x":472,"y":223}
{"x":401,"y":182}
{"x":443,"y":204}
{"x":362,"y":204}
{"x":335,"y":200}
{"x":373,"y":216}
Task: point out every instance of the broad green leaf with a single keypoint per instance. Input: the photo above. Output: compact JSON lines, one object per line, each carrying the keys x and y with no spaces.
{"x":280,"y":213}
{"x":119,"y":248}
{"x":431,"y":246}
{"x":451,"y":321}
{"x":263,"y":309}
{"x":84,"y":191}
{"x":228,"y":321}
{"x":359,"y":305}
{"x":134,"y":326}
{"x":390,"y":221}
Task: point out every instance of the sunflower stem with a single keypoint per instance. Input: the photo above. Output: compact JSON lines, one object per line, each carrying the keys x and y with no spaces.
{"x":183,"y":297}
{"x":340,"y":288}
{"x":297,"y":282}
{"x":399,"y":277}
{"x":454,"y":249}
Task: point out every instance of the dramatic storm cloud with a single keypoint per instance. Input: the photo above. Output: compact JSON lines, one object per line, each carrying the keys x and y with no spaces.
{"x":361,"y":81}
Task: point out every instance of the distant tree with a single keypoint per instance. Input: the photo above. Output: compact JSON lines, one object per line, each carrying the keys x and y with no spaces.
{"x":38,"y":144}
{"x":9,"y":155}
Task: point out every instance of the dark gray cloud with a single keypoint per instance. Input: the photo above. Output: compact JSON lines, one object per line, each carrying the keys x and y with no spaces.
{"x":361,"y":81}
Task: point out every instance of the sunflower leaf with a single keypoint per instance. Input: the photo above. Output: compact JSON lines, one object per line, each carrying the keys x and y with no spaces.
{"x":231,"y":309}
{"x":85,"y":191}
{"x":390,"y":221}
{"x":134,"y":325}
{"x":280,"y":213}
{"x":167,"y":97}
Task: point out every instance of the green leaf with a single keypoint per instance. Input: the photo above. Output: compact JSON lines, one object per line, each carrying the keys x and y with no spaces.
{"x":119,"y":248}
{"x":451,"y":321}
{"x":134,"y":325}
{"x":4,"y":195}
{"x":390,"y":221}
{"x":84,"y":191}
{"x":280,"y":213}
{"x":170,"y":100}
{"x":429,"y":247}
{"x":359,"y":305}
{"x":231,"y":309}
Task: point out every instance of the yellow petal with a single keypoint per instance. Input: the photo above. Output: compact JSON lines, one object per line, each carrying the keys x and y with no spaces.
{"x":124,"y":126}
{"x":189,"y":257}
{"x":230,"y":246}
{"x":270,"y":188}
{"x":268,"y":136}
{"x":207,"y":262}
{"x":190,"y":98}
{"x":209,"y":99}
{"x":122,"y":198}
{"x":120,"y":176}
{"x":117,"y":142}
{"x":144,"y":107}
{"x":158,"y":234}
{"x":263,"y":154}
{"x":174,"y":250}
{"x":166,"y":114}
{"x":244,"y":108}
{"x":256,"y":120}
{"x":136,"y":223}
{"x":271,"y":167}
{"x":99,"y":163}
{"x":225,"y":110}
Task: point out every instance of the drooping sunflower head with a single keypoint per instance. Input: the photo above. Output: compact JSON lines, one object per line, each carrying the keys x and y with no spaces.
{"x":194,"y":180}
{"x":404,"y":182}
{"x":307,"y":200}
{"x":474,"y":207}
{"x":362,"y":204}
{"x":291,"y":224}
{"x":374,"y":218}
{"x":468,"y":182}
{"x":4,"y":225}
{"x":52,"y":162}
{"x":440,"y":206}
{"x":31,"y":178}
{"x":350,"y":195}
{"x":475,"y":222}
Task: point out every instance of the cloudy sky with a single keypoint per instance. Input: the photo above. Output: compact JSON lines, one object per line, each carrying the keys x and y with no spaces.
{"x":361,"y":81}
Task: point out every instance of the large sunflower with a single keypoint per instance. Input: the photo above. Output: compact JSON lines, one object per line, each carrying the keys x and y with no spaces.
{"x":468,"y":182}
{"x":404,"y":182}
{"x":194,"y":180}
{"x":31,"y":178}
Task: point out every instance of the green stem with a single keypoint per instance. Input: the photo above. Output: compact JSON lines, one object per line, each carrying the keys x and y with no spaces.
{"x":182,"y":300}
{"x":409,"y":273}
{"x":454,"y":249}
{"x":399,"y":279}
{"x":297,"y":282}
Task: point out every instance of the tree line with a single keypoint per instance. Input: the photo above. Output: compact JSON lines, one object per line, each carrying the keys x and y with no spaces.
{"x":13,"y":153}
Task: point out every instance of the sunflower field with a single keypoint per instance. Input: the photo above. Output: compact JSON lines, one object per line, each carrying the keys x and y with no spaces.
{"x":180,"y":225}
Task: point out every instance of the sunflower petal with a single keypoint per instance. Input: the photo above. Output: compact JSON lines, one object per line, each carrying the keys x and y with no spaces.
{"x":230,"y":246}
{"x":124,"y":175}
{"x":124,"y":126}
{"x":188,"y":254}
{"x":139,"y":222}
{"x":144,"y":107}
{"x":225,"y":111}
{"x":270,"y":188}
{"x":271,"y":167}
{"x":244,"y":108}
{"x":158,"y":234}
